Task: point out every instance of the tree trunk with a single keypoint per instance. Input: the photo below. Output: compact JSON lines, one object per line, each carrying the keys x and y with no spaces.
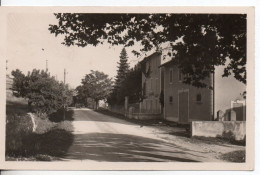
{"x":96,"y":107}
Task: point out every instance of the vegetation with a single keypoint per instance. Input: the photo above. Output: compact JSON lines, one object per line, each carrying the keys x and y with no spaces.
{"x":235,"y":156}
{"x":198,"y":42}
{"x":96,"y":86}
{"x":45,"y":95}
{"x":49,"y":140}
{"x":131,"y":87}
{"x":128,"y":82}
{"x":123,"y":69}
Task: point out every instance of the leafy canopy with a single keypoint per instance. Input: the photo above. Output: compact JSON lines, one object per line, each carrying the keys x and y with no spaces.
{"x":44,"y":93}
{"x":198,"y":42}
{"x":95,"y":85}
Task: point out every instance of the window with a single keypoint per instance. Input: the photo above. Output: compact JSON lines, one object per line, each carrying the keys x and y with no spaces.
{"x":171,"y":76}
{"x":170,"y":99}
{"x":198,"y":97}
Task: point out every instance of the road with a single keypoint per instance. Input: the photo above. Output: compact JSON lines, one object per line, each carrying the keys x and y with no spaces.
{"x":99,"y":137}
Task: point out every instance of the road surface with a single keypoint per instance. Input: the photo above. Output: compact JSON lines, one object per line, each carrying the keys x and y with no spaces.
{"x":99,"y":137}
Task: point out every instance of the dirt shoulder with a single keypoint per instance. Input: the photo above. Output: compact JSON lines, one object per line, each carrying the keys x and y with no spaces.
{"x":216,"y":148}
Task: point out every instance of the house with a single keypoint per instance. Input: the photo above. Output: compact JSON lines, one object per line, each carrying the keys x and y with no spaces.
{"x":164,"y":93}
{"x":185,"y":103}
{"x":151,"y":84}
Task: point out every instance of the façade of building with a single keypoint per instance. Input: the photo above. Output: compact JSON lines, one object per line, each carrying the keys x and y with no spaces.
{"x":165,"y":95}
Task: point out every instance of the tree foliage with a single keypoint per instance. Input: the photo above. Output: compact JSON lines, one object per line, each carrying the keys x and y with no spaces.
{"x":95,"y":85}
{"x":123,"y":69}
{"x":131,"y":86}
{"x":44,"y":93}
{"x":198,"y":42}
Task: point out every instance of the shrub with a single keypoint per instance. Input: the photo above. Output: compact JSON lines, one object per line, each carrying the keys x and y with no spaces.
{"x":43,"y":125}
{"x":65,"y":125}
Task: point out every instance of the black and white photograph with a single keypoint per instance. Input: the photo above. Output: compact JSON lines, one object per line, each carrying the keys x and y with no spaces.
{"x":154,"y":88}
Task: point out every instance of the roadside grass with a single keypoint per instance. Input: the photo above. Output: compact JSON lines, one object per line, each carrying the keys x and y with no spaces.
{"x":49,"y":142}
{"x":234,"y":156}
{"x":217,"y":140}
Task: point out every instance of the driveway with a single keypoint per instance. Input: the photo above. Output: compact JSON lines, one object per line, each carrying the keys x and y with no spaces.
{"x":99,"y":137}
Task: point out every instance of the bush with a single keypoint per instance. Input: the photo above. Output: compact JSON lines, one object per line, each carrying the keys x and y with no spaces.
{"x":43,"y":125}
{"x":65,"y":125}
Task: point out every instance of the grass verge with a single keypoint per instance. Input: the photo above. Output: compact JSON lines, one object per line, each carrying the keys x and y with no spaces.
{"x":234,"y":156}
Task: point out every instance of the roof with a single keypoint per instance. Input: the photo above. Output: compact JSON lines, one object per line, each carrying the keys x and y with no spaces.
{"x":148,"y":57}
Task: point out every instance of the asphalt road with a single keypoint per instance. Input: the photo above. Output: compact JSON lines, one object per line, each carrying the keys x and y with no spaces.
{"x":98,"y":137}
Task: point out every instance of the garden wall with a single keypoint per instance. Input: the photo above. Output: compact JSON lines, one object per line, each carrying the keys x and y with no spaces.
{"x":225,"y":129}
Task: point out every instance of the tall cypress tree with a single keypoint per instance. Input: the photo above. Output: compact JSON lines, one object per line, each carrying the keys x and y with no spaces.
{"x":123,"y":69}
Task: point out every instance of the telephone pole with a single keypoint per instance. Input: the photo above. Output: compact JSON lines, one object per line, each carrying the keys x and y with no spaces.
{"x":6,"y":65}
{"x":64,"y":105}
{"x":46,"y":65}
{"x":65,"y":76}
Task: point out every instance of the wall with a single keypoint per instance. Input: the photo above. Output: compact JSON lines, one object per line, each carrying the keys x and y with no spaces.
{"x":197,"y":110}
{"x":151,"y":103}
{"x":226,"y":129}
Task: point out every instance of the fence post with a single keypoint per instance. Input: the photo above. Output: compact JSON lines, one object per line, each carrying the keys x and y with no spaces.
{"x":126,"y":105}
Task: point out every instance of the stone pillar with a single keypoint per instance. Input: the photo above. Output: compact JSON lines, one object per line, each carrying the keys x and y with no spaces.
{"x":220,"y":115}
{"x":233,"y":115}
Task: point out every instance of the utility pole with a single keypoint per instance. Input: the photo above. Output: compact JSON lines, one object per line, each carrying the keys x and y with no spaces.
{"x":7,"y":68}
{"x":6,"y":65}
{"x":65,"y":76}
{"x":46,"y":65}
{"x":64,"y":106}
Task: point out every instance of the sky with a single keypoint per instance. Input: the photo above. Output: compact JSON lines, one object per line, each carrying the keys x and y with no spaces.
{"x":28,"y":35}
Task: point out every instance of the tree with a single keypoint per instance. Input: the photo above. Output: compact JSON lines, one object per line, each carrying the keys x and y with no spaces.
{"x":18,"y":86}
{"x":95,"y":85}
{"x":44,"y":93}
{"x":198,"y":42}
{"x":131,"y":86}
{"x":123,"y":69}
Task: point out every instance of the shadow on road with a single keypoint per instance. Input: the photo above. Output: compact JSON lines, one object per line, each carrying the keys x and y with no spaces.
{"x":126,"y":148}
{"x":58,"y":116}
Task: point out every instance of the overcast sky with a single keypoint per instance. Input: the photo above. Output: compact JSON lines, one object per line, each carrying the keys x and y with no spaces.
{"x":28,"y":34}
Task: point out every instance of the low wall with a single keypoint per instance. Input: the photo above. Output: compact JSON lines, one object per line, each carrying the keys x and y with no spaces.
{"x":226,"y":129}
{"x":144,"y":116}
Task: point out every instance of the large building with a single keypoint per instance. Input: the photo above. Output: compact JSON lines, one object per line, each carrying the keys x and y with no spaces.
{"x":165,"y":94}
{"x":185,"y":103}
{"x":151,"y":84}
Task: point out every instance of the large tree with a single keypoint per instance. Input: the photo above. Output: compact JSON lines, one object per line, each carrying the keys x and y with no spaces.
{"x":95,"y":85}
{"x":198,"y":42}
{"x":45,"y":95}
{"x":131,"y":86}
{"x":123,"y":68}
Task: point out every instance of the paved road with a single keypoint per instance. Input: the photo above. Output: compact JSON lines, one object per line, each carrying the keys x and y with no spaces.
{"x":98,"y":137}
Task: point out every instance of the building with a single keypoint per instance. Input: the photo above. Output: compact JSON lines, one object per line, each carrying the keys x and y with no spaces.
{"x":165,"y":94}
{"x":185,"y":103}
{"x":151,"y":84}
